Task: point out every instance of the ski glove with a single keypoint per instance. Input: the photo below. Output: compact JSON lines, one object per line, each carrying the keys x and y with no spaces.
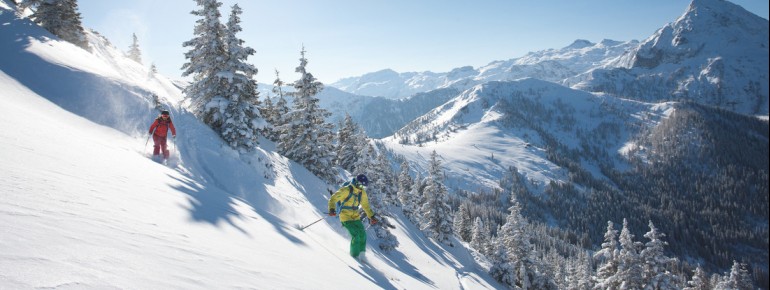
{"x":372,"y":220}
{"x":332,"y":212}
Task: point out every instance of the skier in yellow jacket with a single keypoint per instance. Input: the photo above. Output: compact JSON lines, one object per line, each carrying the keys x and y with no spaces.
{"x":345,"y":203}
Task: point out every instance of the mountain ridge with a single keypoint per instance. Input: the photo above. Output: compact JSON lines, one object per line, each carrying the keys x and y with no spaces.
{"x":716,"y":54}
{"x":551,"y":65}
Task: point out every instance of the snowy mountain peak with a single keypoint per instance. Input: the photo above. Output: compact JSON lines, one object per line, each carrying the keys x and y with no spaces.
{"x":716,"y":53}
{"x":707,"y":27}
{"x":610,"y":42}
{"x":580,"y":43}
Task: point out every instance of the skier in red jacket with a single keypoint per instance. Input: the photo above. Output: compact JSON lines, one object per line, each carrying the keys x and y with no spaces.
{"x":159,"y":131}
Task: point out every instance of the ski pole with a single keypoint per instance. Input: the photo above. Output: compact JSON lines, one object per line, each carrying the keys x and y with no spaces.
{"x":173,"y":148}
{"x":302,"y":228}
{"x":148,"y":139}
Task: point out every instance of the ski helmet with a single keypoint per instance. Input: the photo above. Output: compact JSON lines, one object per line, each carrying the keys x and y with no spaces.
{"x":164,"y":112}
{"x":362,"y":180}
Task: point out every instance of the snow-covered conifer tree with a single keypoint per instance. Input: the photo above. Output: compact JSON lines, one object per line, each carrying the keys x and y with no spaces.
{"x":133,"y":51}
{"x":518,"y":268}
{"x":479,"y":236}
{"x":278,"y":85}
{"x":60,"y":17}
{"x":274,"y":109}
{"x":349,"y":142}
{"x":630,"y":263}
{"x":583,"y":272}
{"x":463,"y":223}
{"x":242,"y":119}
{"x":306,"y":137}
{"x":365,"y":160}
{"x":739,"y":274}
{"x":607,"y":257}
{"x":436,"y":213}
{"x":206,"y":62}
{"x":501,"y":269}
{"x":416,"y":199}
{"x":387,"y":185}
{"x":739,"y":278}
{"x":405,"y":185}
{"x":655,"y":272}
{"x":699,"y":281}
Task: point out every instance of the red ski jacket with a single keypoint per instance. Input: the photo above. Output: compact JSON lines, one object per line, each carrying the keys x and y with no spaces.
{"x":161,"y":127}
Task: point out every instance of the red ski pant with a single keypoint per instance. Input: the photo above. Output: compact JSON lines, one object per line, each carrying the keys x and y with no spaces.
{"x":160,"y":144}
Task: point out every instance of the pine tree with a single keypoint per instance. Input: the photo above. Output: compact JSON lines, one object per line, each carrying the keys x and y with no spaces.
{"x":306,"y":137}
{"x":607,"y":258}
{"x":716,"y":281}
{"x":405,"y":185}
{"x":133,"y":51}
{"x":416,"y":199}
{"x":518,"y":267}
{"x":737,"y":279}
{"x":501,"y":269}
{"x":699,"y":281}
{"x":583,"y":272}
{"x":349,"y":142}
{"x":242,"y":119}
{"x":630,"y":264}
{"x":278,"y":85}
{"x":436,"y":213}
{"x":60,"y":17}
{"x":281,"y":110}
{"x":207,"y":57}
{"x":655,"y":273}
{"x":479,"y":237}
{"x":387,"y":180}
{"x":463,"y":223}
{"x":275,"y":110}
{"x":270,"y":114}
{"x":365,"y":160}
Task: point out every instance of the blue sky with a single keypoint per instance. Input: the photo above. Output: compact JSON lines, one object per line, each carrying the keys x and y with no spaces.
{"x":346,"y":38}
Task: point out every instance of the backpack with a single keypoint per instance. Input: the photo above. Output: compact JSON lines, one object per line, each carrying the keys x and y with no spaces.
{"x":357,"y":202}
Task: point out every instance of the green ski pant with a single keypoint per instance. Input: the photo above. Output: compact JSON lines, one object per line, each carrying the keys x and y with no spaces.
{"x":358,"y":236}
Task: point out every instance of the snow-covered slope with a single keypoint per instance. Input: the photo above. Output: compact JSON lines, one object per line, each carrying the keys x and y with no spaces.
{"x":491,"y":127}
{"x":552,"y":65}
{"x":81,"y":205}
{"x":716,"y":53}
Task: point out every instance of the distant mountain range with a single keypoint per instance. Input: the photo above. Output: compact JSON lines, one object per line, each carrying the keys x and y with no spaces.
{"x":552,"y":65}
{"x":715,"y":54}
{"x":385,"y":101}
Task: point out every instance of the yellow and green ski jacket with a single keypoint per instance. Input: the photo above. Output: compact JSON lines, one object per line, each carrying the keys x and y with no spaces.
{"x":348,"y":199}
